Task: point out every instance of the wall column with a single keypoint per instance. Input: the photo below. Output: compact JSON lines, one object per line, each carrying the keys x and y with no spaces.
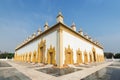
{"x":59,"y":53}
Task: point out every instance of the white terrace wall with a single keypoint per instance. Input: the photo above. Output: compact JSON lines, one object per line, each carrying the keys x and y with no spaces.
{"x":75,"y":43}
{"x":51,"y":39}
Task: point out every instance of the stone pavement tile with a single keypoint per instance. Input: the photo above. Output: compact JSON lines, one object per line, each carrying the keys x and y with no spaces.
{"x":4,"y":64}
{"x":12,"y":74}
{"x":5,"y":68}
{"x":68,"y":78}
{"x":33,"y":74}
{"x":83,"y":73}
{"x":36,"y":75}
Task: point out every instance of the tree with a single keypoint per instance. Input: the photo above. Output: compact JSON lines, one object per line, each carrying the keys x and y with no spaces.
{"x":108,"y":55}
{"x":117,"y":55}
{"x":8,"y":55}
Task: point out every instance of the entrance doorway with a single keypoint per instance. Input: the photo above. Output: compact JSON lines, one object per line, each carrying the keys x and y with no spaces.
{"x":34,"y":57}
{"x":29,"y":57}
{"x":68,"y":55}
{"x":41,"y":52}
{"x":69,"y":58}
{"x":94,"y":56}
{"x":85,"y":57}
{"x":79,"y":58}
{"x":90,"y":57}
{"x":51,"y":55}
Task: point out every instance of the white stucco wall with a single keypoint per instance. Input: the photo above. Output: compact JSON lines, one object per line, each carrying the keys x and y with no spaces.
{"x":75,"y":43}
{"x":51,"y":39}
{"x":68,"y":39}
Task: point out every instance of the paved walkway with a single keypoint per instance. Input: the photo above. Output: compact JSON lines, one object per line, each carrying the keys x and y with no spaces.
{"x":36,"y":75}
{"x":83,"y":73}
{"x":31,"y":73}
{"x":8,"y":72}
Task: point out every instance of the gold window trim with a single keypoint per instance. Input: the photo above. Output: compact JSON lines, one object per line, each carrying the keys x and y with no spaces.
{"x":42,"y":44}
{"x":85,"y":57}
{"x":34,"y":57}
{"x":51,"y":50}
{"x":79,"y":56}
{"x":68,"y":50}
{"x":94,"y":55}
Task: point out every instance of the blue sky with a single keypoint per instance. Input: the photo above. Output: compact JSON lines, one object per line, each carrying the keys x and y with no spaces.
{"x":98,"y":18}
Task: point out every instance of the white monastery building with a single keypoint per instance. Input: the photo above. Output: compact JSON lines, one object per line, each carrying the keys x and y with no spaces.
{"x":59,"y":45}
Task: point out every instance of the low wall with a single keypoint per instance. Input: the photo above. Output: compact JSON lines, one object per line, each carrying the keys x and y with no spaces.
{"x":5,"y":59}
{"x":118,"y":60}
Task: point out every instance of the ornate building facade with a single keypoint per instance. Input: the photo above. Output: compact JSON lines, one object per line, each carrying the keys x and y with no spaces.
{"x":59,"y":45}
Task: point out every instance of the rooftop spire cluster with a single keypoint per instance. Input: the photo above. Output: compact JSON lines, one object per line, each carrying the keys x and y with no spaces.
{"x":59,"y":20}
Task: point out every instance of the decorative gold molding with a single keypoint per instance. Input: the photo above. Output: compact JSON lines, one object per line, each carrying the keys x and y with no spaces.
{"x":27,"y":54}
{"x":85,"y":57}
{"x":94,"y":54}
{"x":93,"y":49}
{"x":79,"y":56}
{"x":29,"y":57}
{"x":15,"y":56}
{"x":22,"y":57}
{"x":91,"y":57}
{"x":41,"y":51}
{"x":51,"y":55}
{"x":25,"y":58}
{"x":34,"y":57}
{"x":98,"y":57}
{"x":68,"y":55}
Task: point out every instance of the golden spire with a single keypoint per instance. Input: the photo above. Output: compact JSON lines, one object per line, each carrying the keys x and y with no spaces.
{"x":46,"y":26}
{"x":73,"y":26}
{"x":60,"y":17}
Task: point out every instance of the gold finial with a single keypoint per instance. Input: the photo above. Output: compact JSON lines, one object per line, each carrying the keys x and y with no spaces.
{"x":60,"y":18}
{"x":46,"y":26}
{"x":80,"y":30}
{"x":60,"y":14}
{"x":73,"y":26}
{"x":46,"y":23}
{"x":39,"y":30}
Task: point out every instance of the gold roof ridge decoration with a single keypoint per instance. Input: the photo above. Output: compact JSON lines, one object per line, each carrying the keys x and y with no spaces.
{"x":39,"y":31}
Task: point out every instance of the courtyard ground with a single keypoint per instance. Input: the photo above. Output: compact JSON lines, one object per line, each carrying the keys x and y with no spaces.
{"x":12,"y":70}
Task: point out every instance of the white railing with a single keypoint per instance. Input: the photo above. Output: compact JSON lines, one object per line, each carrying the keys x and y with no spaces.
{"x":5,"y":59}
{"x":117,"y":60}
